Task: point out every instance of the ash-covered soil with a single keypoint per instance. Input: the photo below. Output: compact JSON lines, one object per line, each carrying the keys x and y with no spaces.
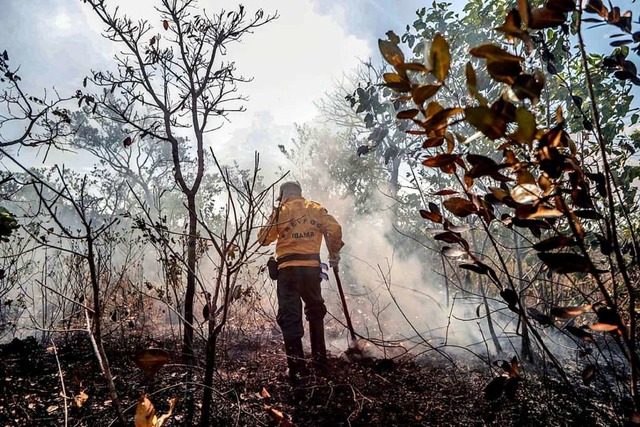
{"x":251,"y":390}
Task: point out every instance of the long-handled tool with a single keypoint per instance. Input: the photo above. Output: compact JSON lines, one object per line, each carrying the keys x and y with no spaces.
{"x":356,"y":350}
{"x":344,"y":305}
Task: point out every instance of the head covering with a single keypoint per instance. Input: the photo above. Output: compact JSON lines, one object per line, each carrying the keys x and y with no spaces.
{"x":289,"y":189}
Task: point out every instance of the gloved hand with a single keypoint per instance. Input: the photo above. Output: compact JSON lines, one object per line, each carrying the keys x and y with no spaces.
{"x":334,"y":261}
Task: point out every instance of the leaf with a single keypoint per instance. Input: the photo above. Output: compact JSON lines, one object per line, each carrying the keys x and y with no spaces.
{"x":494,"y":389}
{"x":80,"y":398}
{"x":445,"y":192}
{"x":580,"y":333}
{"x":487,"y":121}
{"x":460,"y":207}
{"x":165,"y":24}
{"x":146,"y":414}
{"x":555,"y":242}
{"x":525,"y":192}
{"x":526,"y":126}
{"x":440,"y":58}
{"x":510,"y":296}
{"x":494,"y":53}
{"x":424,"y":92}
{"x":391,"y":52}
{"x":278,"y":416}
{"x":603,"y":327}
{"x":408,"y":114}
{"x":264,"y":393}
{"x":511,"y":387}
{"x":127,"y":141}
{"x":504,"y":71}
{"x":449,"y":237}
{"x":562,"y":5}
{"x":151,"y":360}
{"x":546,"y":17}
{"x":565,"y":263}
{"x":480,"y":269}
{"x":540,"y":317}
{"x":588,"y":374}
{"x":431,"y":216}
{"x":453,"y":252}
{"x":440,"y":160}
{"x":569,"y":312}
{"x":165,"y":417}
{"x":526,"y":86}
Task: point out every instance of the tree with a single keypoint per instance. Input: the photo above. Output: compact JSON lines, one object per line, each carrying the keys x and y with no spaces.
{"x":172,"y":83}
{"x":536,"y":177}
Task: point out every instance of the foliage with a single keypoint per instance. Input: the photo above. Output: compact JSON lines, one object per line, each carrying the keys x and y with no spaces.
{"x":529,"y":173}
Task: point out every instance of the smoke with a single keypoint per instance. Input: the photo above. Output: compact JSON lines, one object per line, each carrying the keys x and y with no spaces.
{"x":392,"y":295}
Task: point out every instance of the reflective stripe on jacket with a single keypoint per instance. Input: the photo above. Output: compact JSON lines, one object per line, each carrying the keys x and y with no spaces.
{"x":298,"y":225}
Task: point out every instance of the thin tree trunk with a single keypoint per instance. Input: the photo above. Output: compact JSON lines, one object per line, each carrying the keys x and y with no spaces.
{"x":187,"y":346}
{"x":97,"y":333}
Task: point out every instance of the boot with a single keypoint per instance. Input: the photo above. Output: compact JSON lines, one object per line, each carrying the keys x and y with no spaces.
{"x":318,"y":347}
{"x":295,"y":359}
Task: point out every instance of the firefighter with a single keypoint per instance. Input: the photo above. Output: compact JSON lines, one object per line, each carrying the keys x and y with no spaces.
{"x":297,"y":226}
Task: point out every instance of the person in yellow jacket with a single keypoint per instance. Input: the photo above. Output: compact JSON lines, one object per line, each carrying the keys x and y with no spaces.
{"x":298,"y":226}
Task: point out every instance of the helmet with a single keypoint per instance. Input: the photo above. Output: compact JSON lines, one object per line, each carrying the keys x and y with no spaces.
{"x":288,"y":189}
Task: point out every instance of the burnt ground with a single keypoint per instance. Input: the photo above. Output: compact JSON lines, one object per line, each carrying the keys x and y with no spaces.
{"x":251,"y":391}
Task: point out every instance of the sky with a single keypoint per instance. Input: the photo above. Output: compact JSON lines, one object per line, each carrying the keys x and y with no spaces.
{"x":293,"y":60}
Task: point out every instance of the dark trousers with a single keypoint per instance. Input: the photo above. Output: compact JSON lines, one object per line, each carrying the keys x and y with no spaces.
{"x":297,"y":284}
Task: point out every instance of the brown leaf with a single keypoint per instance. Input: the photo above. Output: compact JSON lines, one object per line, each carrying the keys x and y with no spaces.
{"x":440,"y":58}
{"x":151,"y":360}
{"x":494,"y":389}
{"x":487,"y":121}
{"x":546,"y":17}
{"x":127,"y":141}
{"x":448,"y":237}
{"x":445,"y":192}
{"x":165,"y":24}
{"x":440,"y":160}
{"x":504,"y":71}
{"x":80,"y":398}
{"x":424,"y":92}
{"x":555,"y":242}
{"x":580,"y":333}
{"x":562,"y":5}
{"x":391,"y":52}
{"x":525,"y":11}
{"x":408,"y":114}
{"x":496,"y":53}
{"x":431,"y":216}
{"x":588,"y":374}
{"x":565,"y":263}
{"x":459,"y":206}
{"x":526,"y":86}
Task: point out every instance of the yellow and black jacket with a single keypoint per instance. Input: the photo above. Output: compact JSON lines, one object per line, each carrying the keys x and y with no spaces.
{"x":298,"y":225}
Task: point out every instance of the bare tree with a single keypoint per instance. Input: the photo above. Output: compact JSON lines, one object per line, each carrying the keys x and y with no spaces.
{"x":172,"y":85}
